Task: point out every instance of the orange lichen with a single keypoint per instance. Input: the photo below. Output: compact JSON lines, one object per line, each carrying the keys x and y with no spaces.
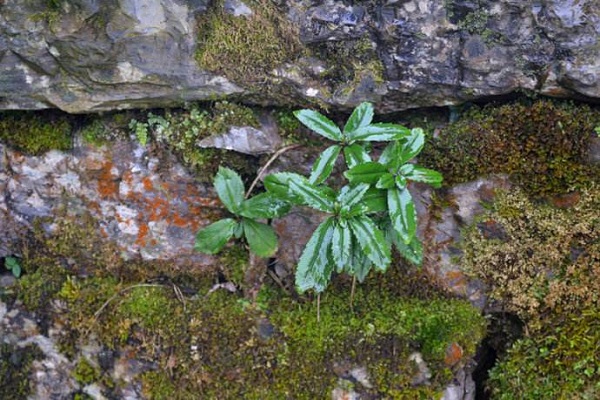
{"x":142,"y":234}
{"x":147,"y":182}
{"x":108,"y":185}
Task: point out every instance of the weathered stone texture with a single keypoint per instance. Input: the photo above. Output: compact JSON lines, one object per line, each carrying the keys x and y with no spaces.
{"x":151,"y":207}
{"x":88,"y":56}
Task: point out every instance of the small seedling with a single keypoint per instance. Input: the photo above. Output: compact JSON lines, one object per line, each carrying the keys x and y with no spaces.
{"x":13,"y":265}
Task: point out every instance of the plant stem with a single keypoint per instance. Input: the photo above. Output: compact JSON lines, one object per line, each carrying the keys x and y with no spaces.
{"x":319,"y":308}
{"x":352,"y":292}
{"x":267,"y":165}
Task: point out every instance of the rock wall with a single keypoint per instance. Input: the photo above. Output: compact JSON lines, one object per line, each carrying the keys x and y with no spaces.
{"x":88,"y":55}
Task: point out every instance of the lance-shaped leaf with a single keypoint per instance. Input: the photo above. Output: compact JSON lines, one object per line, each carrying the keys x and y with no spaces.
{"x":324,"y":165}
{"x":279,"y":185}
{"x":375,"y":200}
{"x":369,"y":172}
{"x":312,"y":195}
{"x":411,"y":146}
{"x":261,"y":237}
{"x":361,"y":265}
{"x":371,"y":241}
{"x":420,"y":174}
{"x":351,"y":195}
{"x":314,"y":267}
{"x":264,"y":205}
{"x":402,"y":213}
{"x":380,"y":132}
{"x":386,"y":181}
{"x":341,"y":246}
{"x":390,"y":157}
{"x":230,"y":188}
{"x":355,"y":154}
{"x":320,"y":124}
{"x":211,"y":239}
{"x":413,"y":251}
{"x":361,"y":117}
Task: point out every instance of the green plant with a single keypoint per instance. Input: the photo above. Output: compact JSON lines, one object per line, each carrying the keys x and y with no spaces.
{"x":261,"y":238}
{"x":13,"y":265}
{"x":365,"y":217}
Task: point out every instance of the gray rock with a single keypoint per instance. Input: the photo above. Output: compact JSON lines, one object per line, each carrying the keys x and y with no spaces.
{"x":149,"y":208}
{"x":88,"y":56}
{"x":245,"y":139}
{"x":462,"y":388}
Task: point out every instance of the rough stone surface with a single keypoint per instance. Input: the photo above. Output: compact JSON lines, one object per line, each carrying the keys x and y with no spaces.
{"x":150,"y":206}
{"x":86,"y":56}
{"x":442,"y":235}
{"x":52,"y":374}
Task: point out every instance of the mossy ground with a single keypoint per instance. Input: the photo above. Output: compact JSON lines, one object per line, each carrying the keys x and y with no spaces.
{"x":541,"y":144}
{"x":219,"y":345}
{"x":35,"y":133}
{"x":180,"y":131}
{"x":246,"y":49}
{"x":542,"y":263}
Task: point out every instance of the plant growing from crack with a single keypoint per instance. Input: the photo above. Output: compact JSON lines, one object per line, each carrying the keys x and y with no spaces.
{"x":366,"y":217}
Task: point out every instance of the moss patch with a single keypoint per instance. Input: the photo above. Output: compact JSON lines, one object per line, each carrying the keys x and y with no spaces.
{"x":35,"y":133}
{"x":543,"y":264}
{"x":541,"y":145}
{"x":181,"y":130}
{"x":215,"y":344}
{"x":246,"y":49}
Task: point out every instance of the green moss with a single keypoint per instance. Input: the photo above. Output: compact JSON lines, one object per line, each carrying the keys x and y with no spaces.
{"x":15,"y":370}
{"x":537,"y":259}
{"x":181,"y":130}
{"x":543,"y":264}
{"x":85,"y":373}
{"x":246,"y":49}
{"x":561,"y":363}
{"x":542,"y":146}
{"x":234,"y":262}
{"x":349,"y":63}
{"x":35,"y":133}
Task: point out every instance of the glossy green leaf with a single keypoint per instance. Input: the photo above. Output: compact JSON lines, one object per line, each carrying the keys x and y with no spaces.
{"x":355,"y":154}
{"x":413,"y":251}
{"x":211,"y":239}
{"x":315,"y":267}
{"x":361,"y":264}
{"x":260,"y":237}
{"x":390,"y":157}
{"x":279,"y":185}
{"x":341,"y":247}
{"x":319,"y":124}
{"x":366,"y":173}
{"x":402,"y":213}
{"x":411,"y":146}
{"x":375,"y":200}
{"x":238,"y":231}
{"x":420,"y":174}
{"x":361,"y":117}
{"x":371,"y":241}
{"x":264,"y":205}
{"x":386,"y":181}
{"x":380,"y":132}
{"x":324,"y":165}
{"x":400,"y":182}
{"x":230,"y":188}
{"x":351,"y":195}
{"x":312,"y":195}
